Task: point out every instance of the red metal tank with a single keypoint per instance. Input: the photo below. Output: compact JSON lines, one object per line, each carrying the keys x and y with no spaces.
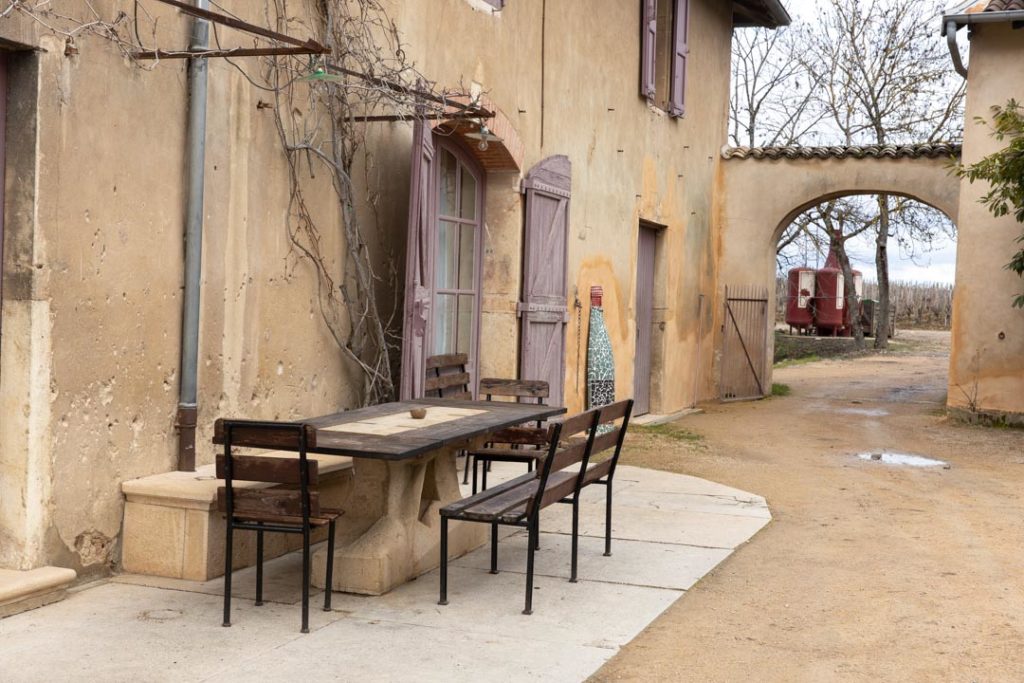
{"x":799,"y":298}
{"x":829,"y":304}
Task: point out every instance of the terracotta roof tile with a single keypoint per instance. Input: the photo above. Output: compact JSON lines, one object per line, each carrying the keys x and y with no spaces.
{"x":1005,"y":6}
{"x":930,"y":150}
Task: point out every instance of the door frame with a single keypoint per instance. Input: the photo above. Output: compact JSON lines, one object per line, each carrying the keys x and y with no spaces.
{"x":464,"y":157}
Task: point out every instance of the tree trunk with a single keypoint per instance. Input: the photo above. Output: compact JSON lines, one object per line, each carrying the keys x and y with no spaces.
{"x":882,"y":268}
{"x":851,"y":302}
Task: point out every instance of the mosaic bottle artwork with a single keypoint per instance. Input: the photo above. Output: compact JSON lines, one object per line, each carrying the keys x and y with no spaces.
{"x":600,"y":363}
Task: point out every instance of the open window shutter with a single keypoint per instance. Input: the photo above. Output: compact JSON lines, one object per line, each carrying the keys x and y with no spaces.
{"x":418,"y":266}
{"x":543,"y":309}
{"x":681,"y":50}
{"x":648,"y":43}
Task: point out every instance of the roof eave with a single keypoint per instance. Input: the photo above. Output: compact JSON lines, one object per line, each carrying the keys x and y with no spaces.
{"x":973,"y":18}
{"x":765,"y":13}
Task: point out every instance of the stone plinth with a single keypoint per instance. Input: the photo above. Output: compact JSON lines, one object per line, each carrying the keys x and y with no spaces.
{"x":172,"y":527}
{"x":31,"y":588}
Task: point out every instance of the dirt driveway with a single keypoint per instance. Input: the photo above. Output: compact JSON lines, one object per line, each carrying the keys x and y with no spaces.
{"x":869,"y":571}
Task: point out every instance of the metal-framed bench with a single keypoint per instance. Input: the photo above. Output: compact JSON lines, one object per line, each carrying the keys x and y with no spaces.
{"x":518,"y":502}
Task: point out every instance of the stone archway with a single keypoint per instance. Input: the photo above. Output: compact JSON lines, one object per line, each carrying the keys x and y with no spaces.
{"x":763,"y":189}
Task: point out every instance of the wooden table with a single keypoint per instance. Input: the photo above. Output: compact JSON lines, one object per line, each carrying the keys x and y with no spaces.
{"x":405,"y":471}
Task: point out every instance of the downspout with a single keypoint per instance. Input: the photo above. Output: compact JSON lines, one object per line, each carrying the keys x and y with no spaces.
{"x":196,"y":145}
{"x":954,"y":49}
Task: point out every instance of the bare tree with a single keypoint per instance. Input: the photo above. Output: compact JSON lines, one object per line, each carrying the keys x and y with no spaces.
{"x":884,"y":79}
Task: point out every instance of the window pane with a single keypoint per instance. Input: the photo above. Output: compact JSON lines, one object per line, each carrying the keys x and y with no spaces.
{"x":444,"y":323}
{"x":447,"y":265}
{"x":467,"y":304}
{"x":449,"y":166}
{"x":468,"y":199}
{"x":467,"y":256}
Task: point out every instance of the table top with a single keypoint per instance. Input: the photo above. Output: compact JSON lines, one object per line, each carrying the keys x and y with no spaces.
{"x":387,"y":432}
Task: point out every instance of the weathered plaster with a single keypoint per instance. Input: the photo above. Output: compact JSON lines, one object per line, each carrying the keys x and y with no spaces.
{"x":986,"y":367}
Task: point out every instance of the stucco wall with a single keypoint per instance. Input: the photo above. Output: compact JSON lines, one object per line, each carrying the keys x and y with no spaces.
{"x":93,"y":266}
{"x":988,"y":335}
{"x":630,"y":162}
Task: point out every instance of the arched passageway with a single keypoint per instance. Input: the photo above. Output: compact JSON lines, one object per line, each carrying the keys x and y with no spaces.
{"x":764,"y":189}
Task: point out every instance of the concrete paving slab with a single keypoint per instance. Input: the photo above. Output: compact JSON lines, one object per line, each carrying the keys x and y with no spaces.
{"x":704,"y":529}
{"x":485,"y":603}
{"x":117,"y":632}
{"x":668,"y":530}
{"x":359,"y":650}
{"x":659,"y":565}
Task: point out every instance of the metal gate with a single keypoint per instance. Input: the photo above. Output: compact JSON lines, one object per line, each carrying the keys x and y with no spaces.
{"x":745,"y":345}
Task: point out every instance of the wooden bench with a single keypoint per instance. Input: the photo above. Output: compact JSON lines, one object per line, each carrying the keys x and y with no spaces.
{"x":518,"y":502}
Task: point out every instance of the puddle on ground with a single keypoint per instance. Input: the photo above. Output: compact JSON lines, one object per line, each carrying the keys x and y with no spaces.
{"x":904,"y":459}
{"x":869,"y":412}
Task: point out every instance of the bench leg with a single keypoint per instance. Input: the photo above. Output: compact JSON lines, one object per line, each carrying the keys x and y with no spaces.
{"x":494,"y":548}
{"x":608,"y":519}
{"x":444,"y":562}
{"x":534,"y":527}
{"x":228,"y":547}
{"x":259,"y":567}
{"x":305,"y":579}
{"x":329,"y":580}
{"x":575,"y":535}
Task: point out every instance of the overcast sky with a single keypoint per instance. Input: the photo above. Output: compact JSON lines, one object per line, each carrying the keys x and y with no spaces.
{"x":936,"y":266}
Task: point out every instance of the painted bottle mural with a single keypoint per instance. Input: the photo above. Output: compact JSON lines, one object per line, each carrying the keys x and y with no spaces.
{"x":600,"y":363}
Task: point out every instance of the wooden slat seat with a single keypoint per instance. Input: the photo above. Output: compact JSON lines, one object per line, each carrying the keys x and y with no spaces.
{"x":326,"y":516}
{"x":518,"y":502}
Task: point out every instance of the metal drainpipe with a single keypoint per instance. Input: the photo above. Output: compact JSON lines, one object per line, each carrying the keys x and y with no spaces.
{"x":187,"y":392}
{"x":954,"y":49}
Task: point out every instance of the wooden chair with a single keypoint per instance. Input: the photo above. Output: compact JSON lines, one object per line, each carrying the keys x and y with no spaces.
{"x":291,"y":509}
{"x":447,"y":377}
{"x":518,"y":502}
{"x":516,"y":444}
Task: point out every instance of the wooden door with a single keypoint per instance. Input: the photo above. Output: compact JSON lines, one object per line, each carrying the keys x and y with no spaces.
{"x":745,"y":345}
{"x":543,"y":307}
{"x":645,"y":262}
{"x":418,"y":267}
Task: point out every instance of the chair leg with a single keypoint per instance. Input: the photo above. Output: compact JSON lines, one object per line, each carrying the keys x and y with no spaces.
{"x":486,"y":466}
{"x":529,"y":566}
{"x":329,"y":580}
{"x":259,"y":567}
{"x":475,"y":463}
{"x":465,"y":471}
{"x":228,"y":547}
{"x":494,"y":548}
{"x":608,"y":520}
{"x":305,"y":579}
{"x":575,"y":536}
{"x":444,"y":562}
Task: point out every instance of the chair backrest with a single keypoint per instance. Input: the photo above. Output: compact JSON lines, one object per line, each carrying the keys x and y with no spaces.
{"x":268,"y":503}
{"x":447,"y":376}
{"x":574,"y":451}
{"x":609,"y":436}
{"x":518,"y":389}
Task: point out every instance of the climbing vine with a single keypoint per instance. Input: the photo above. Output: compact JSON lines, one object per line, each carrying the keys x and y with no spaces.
{"x":323,"y":107}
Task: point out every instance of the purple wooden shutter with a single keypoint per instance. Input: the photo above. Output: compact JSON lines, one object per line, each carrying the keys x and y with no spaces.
{"x":543,"y":307}
{"x":648,"y":44}
{"x":646,"y":246}
{"x":418,"y":266}
{"x":681,"y":50}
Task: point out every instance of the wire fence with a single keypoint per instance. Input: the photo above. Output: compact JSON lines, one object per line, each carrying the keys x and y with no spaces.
{"x":924,"y":305}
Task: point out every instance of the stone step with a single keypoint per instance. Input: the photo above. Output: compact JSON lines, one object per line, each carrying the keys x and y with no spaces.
{"x":22,"y":590}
